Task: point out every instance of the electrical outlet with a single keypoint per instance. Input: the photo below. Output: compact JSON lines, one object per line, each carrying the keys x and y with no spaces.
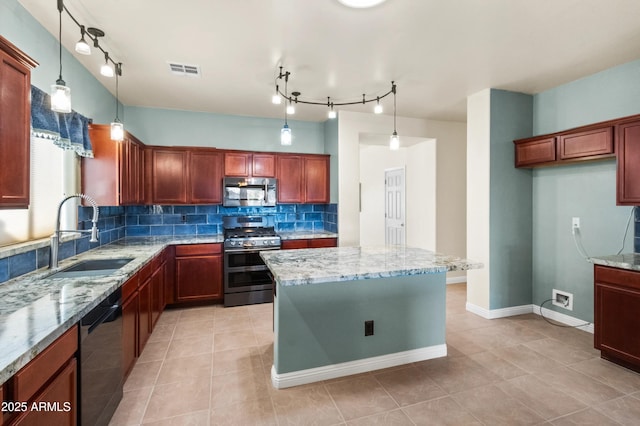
{"x":368,"y":328}
{"x":562,"y":299}
{"x":575,"y":224}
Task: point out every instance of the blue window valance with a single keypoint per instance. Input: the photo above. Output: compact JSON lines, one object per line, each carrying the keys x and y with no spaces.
{"x":68,"y":131}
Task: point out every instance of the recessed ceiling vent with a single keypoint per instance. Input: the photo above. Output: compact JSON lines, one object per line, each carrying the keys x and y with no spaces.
{"x":183,"y":69}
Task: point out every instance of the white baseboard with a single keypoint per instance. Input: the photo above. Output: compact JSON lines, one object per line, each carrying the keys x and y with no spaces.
{"x":564,"y":319}
{"x":527,"y":309}
{"x":457,"y":280}
{"x":311,"y":375}
{"x":499,"y":313}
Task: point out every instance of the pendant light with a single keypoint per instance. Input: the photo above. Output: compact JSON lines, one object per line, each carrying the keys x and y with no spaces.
{"x":106,"y":69}
{"x":117,"y":128}
{"x":331,"y":114}
{"x":276,"y":99}
{"x":60,"y":93}
{"x":285,"y":132}
{"x":394,"y":142}
{"x":81,"y":46}
{"x":378,"y":108}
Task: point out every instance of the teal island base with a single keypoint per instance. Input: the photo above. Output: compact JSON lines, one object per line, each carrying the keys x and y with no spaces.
{"x":319,"y":329}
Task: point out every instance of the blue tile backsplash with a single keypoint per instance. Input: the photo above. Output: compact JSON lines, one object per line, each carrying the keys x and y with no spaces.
{"x":117,"y":222}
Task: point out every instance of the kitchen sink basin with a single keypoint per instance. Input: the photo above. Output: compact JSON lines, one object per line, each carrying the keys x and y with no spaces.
{"x":92,"y":267}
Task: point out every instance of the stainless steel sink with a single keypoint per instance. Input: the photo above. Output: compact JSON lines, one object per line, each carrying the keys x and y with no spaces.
{"x":92,"y":267}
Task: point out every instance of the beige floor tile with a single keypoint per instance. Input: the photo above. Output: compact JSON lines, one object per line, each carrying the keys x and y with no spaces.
{"x":625,"y":410}
{"x":467,"y":321}
{"x":185,"y":368}
{"x":198,"y":418}
{"x":234,"y":360}
{"x":618,"y":377}
{"x":131,"y":407}
{"x":154,"y":351}
{"x":457,"y":374}
{"x":588,"y":417}
{"x":305,"y":405}
{"x":388,"y":418}
{"x":527,"y":359}
{"x":557,"y":350}
{"x":501,"y":335}
{"x":169,"y":316}
{"x":162,"y":332}
{"x":234,"y":339}
{"x":190,"y":329}
{"x":462,"y":344}
{"x":197,"y":314}
{"x":242,"y":386}
{"x":546,"y":401}
{"x":258,"y":412}
{"x":263,"y":336}
{"x":143,"y":375}
{"x":492,"y":406}
{"x":262,"y":321}
{"x":437,"y":412}
{"x":232,"y":323}
{"x":499,"y":366}
{"x":180,"y":348}
{"x":579,"y":386}
{"x":176,"y":399}
{"x":410,"y":385}
{"x":360,"y":397}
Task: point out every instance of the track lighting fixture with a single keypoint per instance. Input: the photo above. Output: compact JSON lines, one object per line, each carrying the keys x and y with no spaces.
{"x":60,"y":93}
{"x":294,"y":99}
{"x":81,"y":46}
{"x":106,"y":69}
{"x":117,"y":128}
{"x":276,"y":99}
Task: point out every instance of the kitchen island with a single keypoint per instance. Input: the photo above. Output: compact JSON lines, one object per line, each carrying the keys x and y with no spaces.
{"x":348,"y":310}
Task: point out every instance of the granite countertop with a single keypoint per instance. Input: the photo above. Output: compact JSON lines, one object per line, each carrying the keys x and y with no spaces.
{"x":321,"y":265}
{"x":35,"y":310}
{"x":629,"y":261}
{"x":306,"y":235}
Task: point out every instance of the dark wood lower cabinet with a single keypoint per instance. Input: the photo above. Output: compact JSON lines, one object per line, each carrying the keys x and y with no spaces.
{"x":198,"y":273}
{"x":130,"y":332}
{"x":616,"y":319}
{"x":144,"y":314}
{"x":309,"y":243}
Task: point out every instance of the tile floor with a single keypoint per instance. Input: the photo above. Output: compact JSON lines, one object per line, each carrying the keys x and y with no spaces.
{"x":211,"y":366}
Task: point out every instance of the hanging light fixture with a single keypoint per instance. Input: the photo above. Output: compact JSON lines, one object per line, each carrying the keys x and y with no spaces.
{"x":106,"y":69}
{"x":60,"y":93}
{"x":394,"y":142}
{"x":276,"y":99}
{"x":117,"y":128}
{"x":285,"y":132}
{"x":331,"y":113}
{"x":81,"y":46}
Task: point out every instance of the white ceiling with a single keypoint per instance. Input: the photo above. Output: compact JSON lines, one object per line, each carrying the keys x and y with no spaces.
{"x":437,"y":51}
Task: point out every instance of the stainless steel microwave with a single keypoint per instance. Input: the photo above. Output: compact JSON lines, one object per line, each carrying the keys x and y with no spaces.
{"x":249,"y":192}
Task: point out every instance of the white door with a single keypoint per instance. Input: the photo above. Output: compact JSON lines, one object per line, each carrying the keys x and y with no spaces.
{"x":394,"y":189}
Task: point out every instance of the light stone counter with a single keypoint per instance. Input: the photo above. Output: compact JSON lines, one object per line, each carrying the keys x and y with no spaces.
{"x":320,"y":265}
{"x":35,"y":309}
{"x":306,"y":235}
{"x":629,"y":261}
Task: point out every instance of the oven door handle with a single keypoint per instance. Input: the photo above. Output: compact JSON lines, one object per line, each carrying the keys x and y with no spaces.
{"x":252,"y":250}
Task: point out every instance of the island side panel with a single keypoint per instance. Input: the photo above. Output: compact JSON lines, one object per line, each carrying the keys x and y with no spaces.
{"x":323,"y":324}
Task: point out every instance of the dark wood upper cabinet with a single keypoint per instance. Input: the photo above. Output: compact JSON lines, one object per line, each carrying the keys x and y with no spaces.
{"x":535,"y":151}
{"x":169,"y":176}
{"x":316,"y":179}
{"x":115,"y":175}
{"x":628,"y":171}
{"x":15,"y":121}
{"x":594,"y":143}
{"x":205,"y":177}
{"x":248,"y":164}
{"x":290,"y":171}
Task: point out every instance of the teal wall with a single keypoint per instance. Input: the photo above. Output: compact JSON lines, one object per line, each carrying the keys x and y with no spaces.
{"x":586,"y":190}
{"x":323,"y":324}
{"x":166,"y":127}
{"x":510,"y":202}
{"x":88,"y":96}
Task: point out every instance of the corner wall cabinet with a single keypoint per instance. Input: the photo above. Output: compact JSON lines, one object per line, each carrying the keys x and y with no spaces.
{"x":115,"y":175}
{"x":616,"y":319}
{"x":15,"y":122}
{"x":628,"y":172}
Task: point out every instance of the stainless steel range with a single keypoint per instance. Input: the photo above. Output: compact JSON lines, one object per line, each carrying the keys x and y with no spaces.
{"x":247,"y":279}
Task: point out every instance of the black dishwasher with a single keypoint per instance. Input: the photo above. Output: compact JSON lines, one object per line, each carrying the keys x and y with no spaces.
{"x":101,"y":370}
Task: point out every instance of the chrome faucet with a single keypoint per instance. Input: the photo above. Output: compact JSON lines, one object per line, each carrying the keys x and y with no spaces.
{"x":55,"y":238}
